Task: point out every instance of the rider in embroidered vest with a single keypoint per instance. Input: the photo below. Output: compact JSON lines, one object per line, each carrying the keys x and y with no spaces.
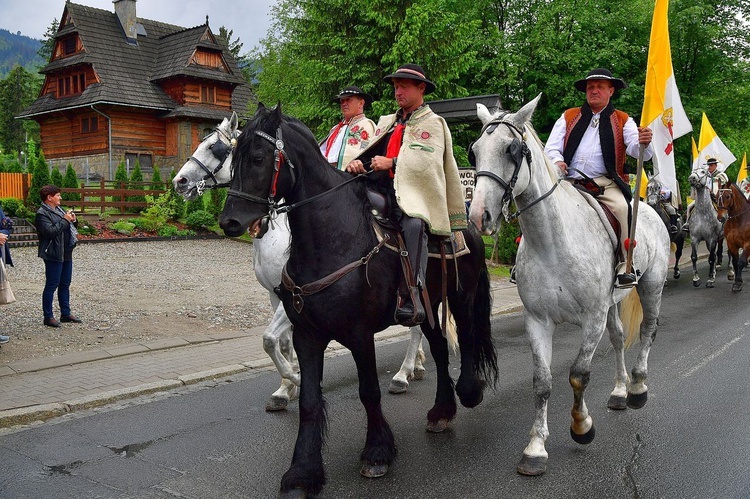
{"x":415,"y":146}
{"x":590,"y":142}
{"x":350,"y":136}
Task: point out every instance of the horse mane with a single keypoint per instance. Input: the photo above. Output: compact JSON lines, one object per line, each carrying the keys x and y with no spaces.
{"x":552,"y":170}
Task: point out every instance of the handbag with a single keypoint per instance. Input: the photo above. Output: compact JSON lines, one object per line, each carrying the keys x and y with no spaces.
{"x":6,"y":294}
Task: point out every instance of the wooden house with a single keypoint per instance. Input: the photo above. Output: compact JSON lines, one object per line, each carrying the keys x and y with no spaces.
{"x":119,"y":88}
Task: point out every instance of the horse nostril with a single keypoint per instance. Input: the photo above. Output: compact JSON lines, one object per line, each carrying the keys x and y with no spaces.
{"x":181,"y":180}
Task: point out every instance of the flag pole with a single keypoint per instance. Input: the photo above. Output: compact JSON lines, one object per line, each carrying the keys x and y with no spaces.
{"x":634,"y":218}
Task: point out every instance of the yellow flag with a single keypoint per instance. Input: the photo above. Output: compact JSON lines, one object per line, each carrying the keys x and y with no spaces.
{"x":662,"y":109}
{"x":695,"y":148}
{"x":742,"y":175}
{"x":711,"y":146}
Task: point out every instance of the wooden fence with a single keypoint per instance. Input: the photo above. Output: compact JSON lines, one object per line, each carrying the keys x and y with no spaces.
{"x":111,"y":194}
{"x":15,"y":185}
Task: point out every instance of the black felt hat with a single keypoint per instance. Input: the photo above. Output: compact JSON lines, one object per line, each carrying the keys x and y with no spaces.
{"x":353,"y":91}
{"x":600,"y":74}
{"x":411,"y":72}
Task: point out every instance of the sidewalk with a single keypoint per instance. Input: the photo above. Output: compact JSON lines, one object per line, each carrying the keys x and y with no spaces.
{"x":45,"y":388}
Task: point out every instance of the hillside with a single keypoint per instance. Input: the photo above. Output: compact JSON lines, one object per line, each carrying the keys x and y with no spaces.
{"x":18,"y":49}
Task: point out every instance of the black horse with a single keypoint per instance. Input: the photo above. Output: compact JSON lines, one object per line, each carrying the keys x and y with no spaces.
{"x":653,"y":198}
{"x":345,"y":286}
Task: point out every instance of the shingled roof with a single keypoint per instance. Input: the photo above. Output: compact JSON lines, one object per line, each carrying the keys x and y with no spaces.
{"x":130,"y":73}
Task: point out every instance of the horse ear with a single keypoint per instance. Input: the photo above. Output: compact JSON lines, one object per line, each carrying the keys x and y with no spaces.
{"x":233,"y":122}
{"x":483,"y":113}
{"x":524,"y":114}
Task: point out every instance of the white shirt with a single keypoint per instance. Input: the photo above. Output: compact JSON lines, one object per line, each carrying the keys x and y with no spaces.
{"x":333,"y":154}
{"x":588,"y":157}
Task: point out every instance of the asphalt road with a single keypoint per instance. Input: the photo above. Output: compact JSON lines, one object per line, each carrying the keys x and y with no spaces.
{"x":215,"y":440}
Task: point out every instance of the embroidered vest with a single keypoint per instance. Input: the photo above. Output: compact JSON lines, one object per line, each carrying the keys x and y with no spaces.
{"x":617,"y":121}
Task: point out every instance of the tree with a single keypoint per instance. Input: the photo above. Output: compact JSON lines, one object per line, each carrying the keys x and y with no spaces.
{"x":17,"y":91}
{"x":55,"y":177}
{"x":70,"y":180}
{"x":135,"y":178}
{"x":39,"y":179}
{"x":233,"y":46}
{"x":48,"y":41}
{"x":156,"y":182}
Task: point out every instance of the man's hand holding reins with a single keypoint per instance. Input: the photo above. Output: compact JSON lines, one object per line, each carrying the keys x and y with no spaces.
{"x":378,"y":163}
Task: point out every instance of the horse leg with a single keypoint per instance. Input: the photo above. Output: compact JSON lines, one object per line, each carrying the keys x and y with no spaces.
{"x":732,"y":265}
{"x":679,"y":244}
{"x":618,"y":397}
{"x":534,"y":459}
{"x":694,"y":259}
{"x":582,"y":427}
{"x":409,"y":368}
{"x":444,"y":409}
{"x":277,"y":342}
{"x":741,"y":263}
{"x":651,"y":304}
{"x":380,"y":448}
{"x":306,"y":474}
{"x":711,"y":264}
{"x":719,"y":252}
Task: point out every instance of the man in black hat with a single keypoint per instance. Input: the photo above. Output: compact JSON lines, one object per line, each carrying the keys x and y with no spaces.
{"x":415,"y":146}
{"x":350,"y":136}
{"x":589,"y":143}
{"x":717,"y":179}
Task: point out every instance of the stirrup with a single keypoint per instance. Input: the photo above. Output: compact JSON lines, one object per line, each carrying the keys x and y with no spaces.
{"x":673,"y":229}
{"x":512,"y":278}
{"x":686,"y":227}
{"x":411,"y":312}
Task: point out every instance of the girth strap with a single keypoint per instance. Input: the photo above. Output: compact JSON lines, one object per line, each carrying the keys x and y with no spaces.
{"x":313,"y":287}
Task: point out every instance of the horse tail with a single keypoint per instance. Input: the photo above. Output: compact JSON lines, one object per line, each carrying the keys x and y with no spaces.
{"x":631,"y":315}
{"x":672,"y":246}
{"x":485,"y":354}
{"x":450,"y":328}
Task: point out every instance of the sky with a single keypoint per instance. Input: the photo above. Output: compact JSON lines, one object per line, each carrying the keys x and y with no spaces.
{"x":249,"y":22}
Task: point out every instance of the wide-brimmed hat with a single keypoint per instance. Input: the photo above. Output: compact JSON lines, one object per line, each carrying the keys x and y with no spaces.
{"x":600,"y":74}
{"x":353,"y":91}
{"x":712,"y":161}
{"x":411,"y":72}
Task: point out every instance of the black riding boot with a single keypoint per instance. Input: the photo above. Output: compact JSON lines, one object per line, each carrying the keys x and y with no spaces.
{"x":673,"y":224}
{"x":411,"y":312}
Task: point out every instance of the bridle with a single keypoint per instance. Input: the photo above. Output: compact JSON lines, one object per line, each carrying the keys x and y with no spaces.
{"x":281,"y":158}
{"x":518,"y":151}
{"x":720,"y":203}
{"x":221,"y":152}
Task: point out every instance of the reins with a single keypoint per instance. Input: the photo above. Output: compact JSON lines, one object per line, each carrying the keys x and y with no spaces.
{"x":220,"y":155}
{"x":720,"y":204}
{"x":519,"y":151}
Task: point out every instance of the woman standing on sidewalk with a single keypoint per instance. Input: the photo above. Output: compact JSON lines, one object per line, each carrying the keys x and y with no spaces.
{"x":6,"y":227}
{"x":57,"y":238}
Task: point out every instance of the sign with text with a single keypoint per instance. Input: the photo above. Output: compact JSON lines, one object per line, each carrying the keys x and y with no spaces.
{"x":467,"y":182}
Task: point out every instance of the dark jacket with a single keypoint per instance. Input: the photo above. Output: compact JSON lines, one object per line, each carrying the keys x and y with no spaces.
{"x":53,"y":231}
{"x":6,"y":227}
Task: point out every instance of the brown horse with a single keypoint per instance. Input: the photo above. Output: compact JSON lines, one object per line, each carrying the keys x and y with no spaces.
{"x":734,"y":208}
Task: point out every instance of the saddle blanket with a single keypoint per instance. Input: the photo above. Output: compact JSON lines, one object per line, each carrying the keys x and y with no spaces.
{"x":455,"y":245}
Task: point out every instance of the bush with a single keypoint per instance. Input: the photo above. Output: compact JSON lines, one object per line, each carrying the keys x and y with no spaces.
{"x":70,"y":181}
{"x":123,"y":227}
{"x":194,"y":205}
{"x":216,"y":200}
{"x":137,"y":178}
{"x":504,"y":244}
{"x":156,"y":182}
{"x":39,"y":179}
{"x":11,"y":206}
{"x":164,"y":207}
{"x":87,"y":229}
{"x":148,"y":224}
{"x":200,"y":219}
{"x":172,"y":231}
{"x":55,"y":177}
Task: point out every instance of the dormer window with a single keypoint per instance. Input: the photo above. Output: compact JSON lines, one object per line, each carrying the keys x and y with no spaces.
{"x":69,"y":46}
{"x":71,"y":84}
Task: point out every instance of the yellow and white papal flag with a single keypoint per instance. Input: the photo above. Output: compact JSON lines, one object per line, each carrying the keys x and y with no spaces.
{"x":711,"y":146}
{"x":662,"y":109}
{"x":742,"y":175}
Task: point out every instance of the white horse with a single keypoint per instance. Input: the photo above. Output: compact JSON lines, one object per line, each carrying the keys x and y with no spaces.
{"x":208,"y":168}
{"x":704,"y":226}
{"x":566,"y":270}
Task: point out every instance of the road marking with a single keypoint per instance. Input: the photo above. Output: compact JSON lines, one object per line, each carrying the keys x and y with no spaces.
{"x":711,"y":357}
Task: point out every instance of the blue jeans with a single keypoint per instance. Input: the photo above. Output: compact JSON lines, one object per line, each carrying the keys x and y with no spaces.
{"x":58,"y":276}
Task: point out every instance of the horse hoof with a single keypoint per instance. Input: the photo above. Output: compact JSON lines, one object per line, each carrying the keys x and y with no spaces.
{"x":294,"y":395}
{"x":709,"y":284}
{"x":397,"y":386}
{"x":275,"y":404}
{"x":676,"y":275}
{"x":584,"y":439}
{"x":371,"y":470}
{"x":697,"y":283}
{"x":718,"y":266}
{"x":730,"y":277}
{"x":617,"y":403}
{"x":637,"y":400}
{"x":419,"y":374}
{"x":532,"y":466}
{"x":736,"y":288}
{"x":293,"y":494}
{"x":438,"y":426}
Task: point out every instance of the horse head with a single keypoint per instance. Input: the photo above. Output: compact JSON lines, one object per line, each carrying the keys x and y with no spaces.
{"x":208,"y":162}
{"x":699,"y":178}
{"x":724,"y":204}
{"x":502,"y":159}
{"x":264,"y":168}
{"x":653,"y":192}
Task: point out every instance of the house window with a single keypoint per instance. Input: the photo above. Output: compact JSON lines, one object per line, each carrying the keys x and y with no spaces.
{"x":208,"y":94}
{"x":145,"y":161}
{"x":71,"y":84}
{"x":89,"y":125}
{"x":69,"y":46}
